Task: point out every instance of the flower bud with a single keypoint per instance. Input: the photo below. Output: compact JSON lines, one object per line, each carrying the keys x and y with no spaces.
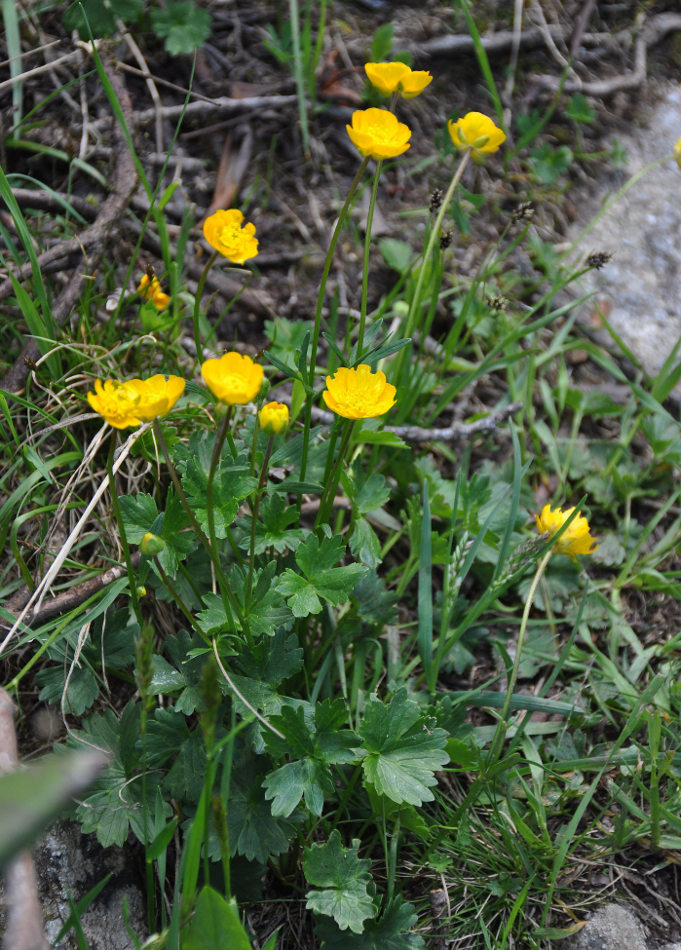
{"x":273,"y":417}
{"x":151,"y":544}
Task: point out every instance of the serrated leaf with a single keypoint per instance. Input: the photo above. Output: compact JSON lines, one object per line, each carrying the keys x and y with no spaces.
{"x":390,"y":932}
{"x":83,"y":688}
{"x":272,"y":660}
{"x":345,"y":878}
{"x":138,"y":513}
{"x":400,"y":754}
{"x":307,"y":778}
{"x":253,"y":831}
{"x":182,"y":25}
{"x":99,"y":16}
{"x":273,"y":529}
{"x":231,"y":485}
{"x":320,"y":580}
{"x":364,"y":543}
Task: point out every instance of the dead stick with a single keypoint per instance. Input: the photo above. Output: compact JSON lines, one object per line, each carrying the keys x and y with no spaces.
{"x":24,"y":930}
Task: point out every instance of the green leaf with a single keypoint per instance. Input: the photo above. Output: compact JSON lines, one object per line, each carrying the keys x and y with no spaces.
{"x":372,"y":494}
{"x":83,"y":688}
{"x":99,"y":16}
{"x":253,"y":831}
{"x":398,"y":255}
{"x":321,"y":581}
{"x":382,"y":43}
{"x":214,"y":924}
{"x":390,"y":932}
{"x":182,"y":25}
{"x":364,"y":544}
{"x":400,"y":751}
{"x":231,"y":485}
{"x":345,"y":878}
{"x":314,"y":747}
{"x":139,"y":512}
{"x":273,"y":529}
{"x":272,"y":660}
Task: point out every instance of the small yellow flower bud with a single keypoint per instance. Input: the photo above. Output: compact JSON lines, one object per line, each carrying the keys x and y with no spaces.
{"x":151,"y":544}
{"x":273,"y":417}
{"x":677,"y":153}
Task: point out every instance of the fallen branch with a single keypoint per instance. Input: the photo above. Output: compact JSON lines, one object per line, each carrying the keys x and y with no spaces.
{"x":453,"y":433}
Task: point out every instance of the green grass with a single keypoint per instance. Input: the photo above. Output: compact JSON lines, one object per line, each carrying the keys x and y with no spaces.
{"x":324,"y":706}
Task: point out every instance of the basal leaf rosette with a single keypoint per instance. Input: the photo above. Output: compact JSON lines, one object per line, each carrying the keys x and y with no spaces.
{"x":226,"y":233}
{"x":476,"y":133}
{"x":376,"y":133}
{"x":358,"y":393}
{"x":576,"y":539}
{"x":129,"y":403}
{"x":233,"y":378}
{"x":273,"y":417}
{"x":397,"y":77}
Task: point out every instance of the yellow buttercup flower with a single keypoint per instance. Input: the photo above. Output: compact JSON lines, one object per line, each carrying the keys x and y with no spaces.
{"x":129,"y":403}
{"x":273,"y":417}
{"x":224,"y":232}
{"x":151,"y":289}
{"x":477,"y":133}
{"x":397,"y":77}
{"x":233,"y":378}
{"x":576,"y":540}
{"x":358,"y":393}
{"x":677,"y":153}
{"x":158,"y":395}
{"x":376,"y":133}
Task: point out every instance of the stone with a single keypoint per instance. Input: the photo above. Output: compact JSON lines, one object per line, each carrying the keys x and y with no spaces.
{"x":638,"y":288}
{"x":611,"y":927}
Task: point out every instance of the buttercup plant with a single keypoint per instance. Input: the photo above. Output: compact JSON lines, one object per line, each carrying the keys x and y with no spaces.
{"x":316,"y":589}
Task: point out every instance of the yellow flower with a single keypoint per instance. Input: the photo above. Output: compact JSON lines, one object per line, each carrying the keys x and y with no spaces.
{"x":576,"y":540}
{"x":158,"y":395}
{"x":397,"y":77}
{"x":376,"y":133}
{"x":476,"y":132}
{"x":358,"y":393}
{"x":124,"y":404}
{"x":151,"y":290}
{"x":273,"y":417}
{"x":224,"y":232}
{"x":234,"y":378}
{"x":677,"y":153}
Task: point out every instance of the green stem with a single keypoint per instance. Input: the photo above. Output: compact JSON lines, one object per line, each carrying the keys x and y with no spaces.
{"x":326,"y":503}
{"x":197,"y":305}
{"x":227,"y":596}
{"x":365,"y":265}
{"x":318,"y":314}
{"x":254,"y":518}
{"x":432,"y":238}
{"x":121,"y":531}
{"x":502,"y":725}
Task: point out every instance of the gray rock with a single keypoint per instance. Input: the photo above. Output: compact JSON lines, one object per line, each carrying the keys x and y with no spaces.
{"x":638,"y":290}
{"x":611,"y":927}
{"x":69,"y":864}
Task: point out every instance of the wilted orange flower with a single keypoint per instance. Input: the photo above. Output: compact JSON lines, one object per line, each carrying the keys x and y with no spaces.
{"x":397,"y":77}
{"x":358,"y":393}
{"x":477,"y":133}
{"x":151,"y":290}
{"x":376,"y":133}
{"x":129,"y":403}
{"x":273,"y":417}
{"x":576,"y":540}
{"x":224,"y":232}
{"x":233,"y":378}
